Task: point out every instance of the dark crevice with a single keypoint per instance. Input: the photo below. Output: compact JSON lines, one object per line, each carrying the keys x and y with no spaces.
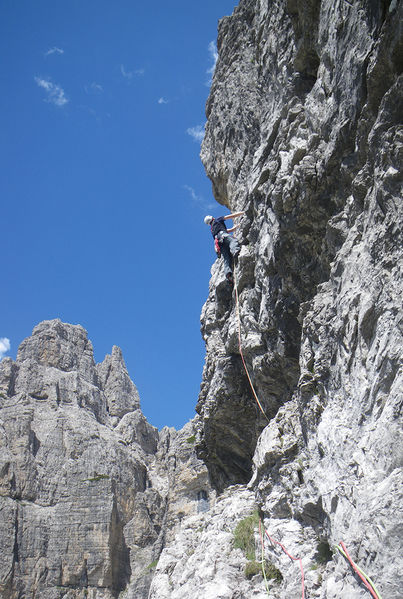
{"x":58,"y":397}
{"x":16,"y":555}
{"x":119,"y":554}
{"x":39,"y":396}
{"x":34,"y":443}
{"x":305,"y":21}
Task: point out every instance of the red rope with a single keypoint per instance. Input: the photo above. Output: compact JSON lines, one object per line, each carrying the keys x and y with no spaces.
{"x":295,"y":559}
{"x":355,"y":568}
{"x":240,"y":348}
{"x":261,"y":409}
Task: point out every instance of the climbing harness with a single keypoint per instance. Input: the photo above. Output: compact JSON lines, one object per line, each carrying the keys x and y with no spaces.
{"x":217,"y":247}
{"x":360,"y":573}
{"x":240,"y":347}
{"x":295,"y":559}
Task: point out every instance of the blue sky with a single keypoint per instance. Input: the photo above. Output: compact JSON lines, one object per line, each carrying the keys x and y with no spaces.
{"x":102,"y":190}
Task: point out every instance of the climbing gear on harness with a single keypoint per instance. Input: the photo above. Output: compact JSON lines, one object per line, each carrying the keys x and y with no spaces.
{"x":360,"y":573}
{"x":240,"y":348}
{"x":217,"y":247}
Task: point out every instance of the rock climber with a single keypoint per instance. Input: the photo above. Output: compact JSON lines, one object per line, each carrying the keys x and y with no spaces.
{"x":225,"y":244}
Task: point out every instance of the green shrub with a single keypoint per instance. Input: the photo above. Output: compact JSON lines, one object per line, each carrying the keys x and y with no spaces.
{"x":152,"y":565}
{"x":324,"y":553}
{"x":191,"y":440}
{"x":272,"y":573}
{"x":252,"y":568}
{"x":244,"y":535}
{"x":96,"y":478}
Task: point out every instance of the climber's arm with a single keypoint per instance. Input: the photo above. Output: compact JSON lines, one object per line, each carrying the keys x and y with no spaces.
{"x":234,"y":215}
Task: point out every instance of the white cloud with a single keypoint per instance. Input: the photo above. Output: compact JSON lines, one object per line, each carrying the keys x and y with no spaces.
{"x":55,"y":93}
{"x":94,"y":88}
{"x":129,"y":74}
{"x":126,"y":74}
{"x":197,"y":133}
{"x":162,"y":101}
{"x":198,"y":200}
{"x":4,"y":346}
{"x":212,"y":48}
{"x":54,"y":50}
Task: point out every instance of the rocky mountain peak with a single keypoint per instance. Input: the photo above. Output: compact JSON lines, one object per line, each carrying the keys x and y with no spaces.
{"x":56,"y":363}
{"x":120,"y":392}
{"x":89,"y":490}
{"x":59,"y":345}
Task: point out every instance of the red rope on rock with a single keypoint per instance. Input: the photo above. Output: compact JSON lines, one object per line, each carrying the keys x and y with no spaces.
{"x":356,"y":570}
{"x":295,"y":559}
{"x":240,"y":348}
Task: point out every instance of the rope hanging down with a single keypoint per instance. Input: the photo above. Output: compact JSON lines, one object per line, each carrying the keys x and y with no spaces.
{"x":342,"y":548}
{"x":263,"y":560}
{"x":295,"y":559}
{"x":240,"y":347}
{"x":360,"y":573}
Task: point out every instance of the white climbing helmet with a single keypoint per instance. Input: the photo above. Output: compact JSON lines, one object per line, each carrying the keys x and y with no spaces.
{"x":208,"y":219}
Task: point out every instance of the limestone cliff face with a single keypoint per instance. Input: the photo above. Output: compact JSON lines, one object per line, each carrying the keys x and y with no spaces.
{"x":89,"y":491}
{"x":304,"y":134}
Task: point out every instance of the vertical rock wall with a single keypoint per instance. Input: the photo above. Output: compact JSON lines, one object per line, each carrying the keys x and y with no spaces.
{"x":304,"y":134}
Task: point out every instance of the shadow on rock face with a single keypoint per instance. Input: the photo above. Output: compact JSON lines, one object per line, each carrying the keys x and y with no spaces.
{"x":231,"y":428}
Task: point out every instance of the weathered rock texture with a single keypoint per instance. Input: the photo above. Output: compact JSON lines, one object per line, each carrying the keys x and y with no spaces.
{"x":304,"y":134}
{"x":202,"y":560}
{"x":87,"y":486}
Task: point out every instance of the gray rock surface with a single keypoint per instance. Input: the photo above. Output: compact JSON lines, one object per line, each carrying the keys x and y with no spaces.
{"x":202,"y":560}
{"x":87,"y":486}
{"x":304,"y":133}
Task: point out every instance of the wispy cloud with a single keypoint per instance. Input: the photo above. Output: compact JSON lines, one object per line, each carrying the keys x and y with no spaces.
{"x":162,"y":100}
{"x":197,"y":133}
{"x":98,"y":115}
{"x":93,"y":88}
{"x":54,"y":50}
{"x":198,"y":200}
{"x":4,"y":346}
{"x":212,"y":49}
{"x":55,"y":93}
{"x":130,"y":74}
